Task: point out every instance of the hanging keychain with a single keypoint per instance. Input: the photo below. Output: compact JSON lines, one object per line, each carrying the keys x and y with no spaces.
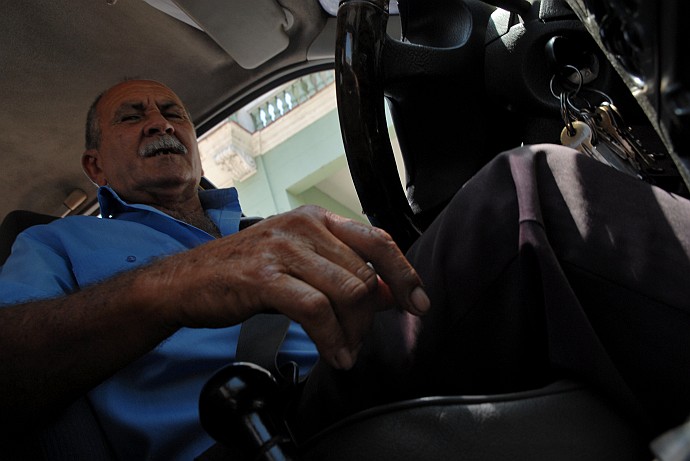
{"x":594,"y":131}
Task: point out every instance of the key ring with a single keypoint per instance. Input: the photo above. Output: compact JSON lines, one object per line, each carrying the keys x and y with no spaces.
{"x":577,"y":89}
{"x":566,"y":106}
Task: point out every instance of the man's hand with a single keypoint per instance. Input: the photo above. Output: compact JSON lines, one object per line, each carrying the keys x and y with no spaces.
{"x":328,"y":273}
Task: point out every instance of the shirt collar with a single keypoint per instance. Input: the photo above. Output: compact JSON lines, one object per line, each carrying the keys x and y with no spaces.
{"x":221,"y":205}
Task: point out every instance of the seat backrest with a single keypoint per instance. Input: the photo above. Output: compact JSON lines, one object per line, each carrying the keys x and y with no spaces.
{"x":14,"y":223}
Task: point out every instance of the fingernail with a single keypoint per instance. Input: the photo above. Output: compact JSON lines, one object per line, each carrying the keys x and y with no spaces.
{"x":343,"y":359}
{"x":420,"y":301}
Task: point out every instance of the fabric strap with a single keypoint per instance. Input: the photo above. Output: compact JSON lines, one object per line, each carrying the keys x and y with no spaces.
{"x":260,"y":339}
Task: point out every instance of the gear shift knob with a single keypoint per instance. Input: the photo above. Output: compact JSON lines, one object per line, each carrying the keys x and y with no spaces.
{"x":239,"y":407}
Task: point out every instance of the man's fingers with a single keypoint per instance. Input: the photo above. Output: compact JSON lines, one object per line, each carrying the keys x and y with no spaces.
{"x":352,"y":300}
{"x":313,"y":310}
{"x":342,"y":282}
{"x":377,"y":247}
{"x":321,"y":241}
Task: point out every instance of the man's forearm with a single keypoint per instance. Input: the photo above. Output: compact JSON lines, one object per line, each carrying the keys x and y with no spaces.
{"x":53,"y":351}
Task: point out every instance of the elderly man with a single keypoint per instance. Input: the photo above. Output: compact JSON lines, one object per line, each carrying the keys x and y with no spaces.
{"x":144,"y":341}
{"x":535,"y":270}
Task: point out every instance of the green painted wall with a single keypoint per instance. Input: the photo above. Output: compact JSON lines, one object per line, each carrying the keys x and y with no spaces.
{"x":314,"y":196}
{"x":287,"y":174}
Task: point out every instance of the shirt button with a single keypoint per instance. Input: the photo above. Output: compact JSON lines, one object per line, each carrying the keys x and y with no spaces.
{"x":131,"y":259}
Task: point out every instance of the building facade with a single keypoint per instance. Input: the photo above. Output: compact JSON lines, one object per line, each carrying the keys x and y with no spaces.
{"x":284,"y":150}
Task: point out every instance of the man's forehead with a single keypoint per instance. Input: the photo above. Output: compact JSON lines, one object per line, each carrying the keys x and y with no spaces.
{"x":138,"y":93}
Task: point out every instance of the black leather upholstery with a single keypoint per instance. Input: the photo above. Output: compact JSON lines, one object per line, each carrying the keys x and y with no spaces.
{"x":564,"y":421}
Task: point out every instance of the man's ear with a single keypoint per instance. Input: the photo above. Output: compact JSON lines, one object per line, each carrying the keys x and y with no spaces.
{"x":91,"y":163}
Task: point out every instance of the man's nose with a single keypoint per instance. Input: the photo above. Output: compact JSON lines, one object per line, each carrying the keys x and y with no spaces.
{"x":156,"y":123}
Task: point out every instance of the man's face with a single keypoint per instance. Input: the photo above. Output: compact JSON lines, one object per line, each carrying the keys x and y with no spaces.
{"x":148,"y":147}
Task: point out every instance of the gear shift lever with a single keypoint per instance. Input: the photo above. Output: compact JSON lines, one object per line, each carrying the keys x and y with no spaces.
{"x":239,"y":407}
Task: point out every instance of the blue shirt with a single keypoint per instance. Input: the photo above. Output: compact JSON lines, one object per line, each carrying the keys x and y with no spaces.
{"x":149,"y":409}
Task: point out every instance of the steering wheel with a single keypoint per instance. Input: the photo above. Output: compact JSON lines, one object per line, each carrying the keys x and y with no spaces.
{"x":361,"y":38}
{"x":370,"y":65}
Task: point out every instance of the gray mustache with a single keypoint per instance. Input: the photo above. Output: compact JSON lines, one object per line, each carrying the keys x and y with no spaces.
{"x":164,"y":143}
